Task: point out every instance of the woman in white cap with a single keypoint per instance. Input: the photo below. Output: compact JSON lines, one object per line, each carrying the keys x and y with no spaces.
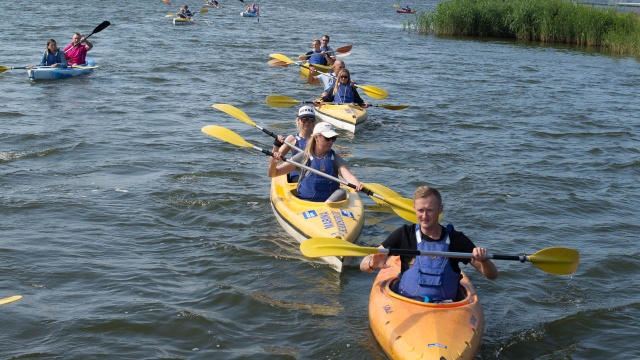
{"x":319,"y":155}
{"x":305,"y":122}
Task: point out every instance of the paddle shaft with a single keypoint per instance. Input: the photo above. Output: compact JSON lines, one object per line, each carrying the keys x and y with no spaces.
{"x":521,"y":258}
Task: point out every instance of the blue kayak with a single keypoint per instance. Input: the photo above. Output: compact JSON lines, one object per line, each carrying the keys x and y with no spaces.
{"x":54,"y":73}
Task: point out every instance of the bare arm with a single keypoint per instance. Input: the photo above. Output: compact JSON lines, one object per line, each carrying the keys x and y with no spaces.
{"x":373,"y":262}
{"x":484,"y":266}
{"x":312,"y":79}
{"x":347,"y":175}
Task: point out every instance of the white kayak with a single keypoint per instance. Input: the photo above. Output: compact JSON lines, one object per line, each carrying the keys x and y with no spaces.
{"x":54,"y":73}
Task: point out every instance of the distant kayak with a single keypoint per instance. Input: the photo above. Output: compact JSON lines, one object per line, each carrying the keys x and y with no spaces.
{"x":54,"y":73}
{"x":212,"y":5}
{"x":405,"y":11}
{"x":246,"y":14}
{"x":183,"y":21}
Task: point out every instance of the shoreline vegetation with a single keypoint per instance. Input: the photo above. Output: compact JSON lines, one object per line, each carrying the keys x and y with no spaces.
{"x":543,"y":21}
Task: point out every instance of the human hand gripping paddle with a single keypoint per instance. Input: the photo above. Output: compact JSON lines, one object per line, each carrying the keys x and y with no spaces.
{"x":280,"y":101}
{"x":371,"y":91}
{"x":401,"y":206}
{"x":554,"y":260}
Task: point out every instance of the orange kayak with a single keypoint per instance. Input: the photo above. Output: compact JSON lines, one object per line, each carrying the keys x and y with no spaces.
{"x":408,"y":329}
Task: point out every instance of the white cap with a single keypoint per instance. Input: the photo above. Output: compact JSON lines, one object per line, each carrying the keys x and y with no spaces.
{"x":325,"y":129}
{"x":306,"y":111}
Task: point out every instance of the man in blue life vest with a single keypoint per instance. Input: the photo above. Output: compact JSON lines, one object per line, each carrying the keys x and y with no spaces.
{"x":427,"y":278}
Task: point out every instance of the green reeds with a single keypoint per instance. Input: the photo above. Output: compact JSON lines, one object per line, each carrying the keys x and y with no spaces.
{"x":547,"y":21}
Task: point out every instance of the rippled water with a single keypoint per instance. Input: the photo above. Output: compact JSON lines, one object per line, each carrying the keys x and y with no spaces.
{"x":131,"y":234}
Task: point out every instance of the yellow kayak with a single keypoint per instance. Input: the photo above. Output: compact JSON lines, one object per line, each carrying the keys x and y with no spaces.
{"x":183,"y":21}
{"x":306,"y":219}
{"x":408,"y":329}
{"x":342,"y":116}
{"x":319,"y":68}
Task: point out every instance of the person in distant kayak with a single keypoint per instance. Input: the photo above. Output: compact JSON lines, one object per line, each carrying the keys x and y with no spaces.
{"x":327,"y":80}
{"x":317,"y":56}
{"x":53,"y":56}
{"x":343,"y":92}
{"x":319,"y":155}
{"x":185,"y":12}
{"x":305,"y":122}
{"x":427,"y":278}
{"x":407,"y":8}
{"x":76,"y":52}
{"x":324,"y":46}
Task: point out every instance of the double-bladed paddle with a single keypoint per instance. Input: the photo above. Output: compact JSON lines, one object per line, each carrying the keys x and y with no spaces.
{"x":555,"y":260}
{"x":372,"y":91}
{"x":401,"y":206}
{"x":201,"y":11}
{"x":242,"y":116}
{"x":97,"y":29}
{"x":10,"y":299}
{"x":280,"y":101}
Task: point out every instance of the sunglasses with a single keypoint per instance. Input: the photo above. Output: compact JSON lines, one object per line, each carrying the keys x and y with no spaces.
{"x":344,"y":77}
{"x":332,"y":139}
{"x":307,"y":119}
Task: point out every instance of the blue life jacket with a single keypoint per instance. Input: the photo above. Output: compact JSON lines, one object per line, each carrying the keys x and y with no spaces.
{"x":431,"y":277}
{"x":301,"y":143}
{"x":317,"y":58}
{"x":52,"y":59}
{"x":344,"y":95}
{"x":313,"y":187}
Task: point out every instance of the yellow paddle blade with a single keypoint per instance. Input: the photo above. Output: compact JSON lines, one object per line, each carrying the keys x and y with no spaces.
{"x":170,"y":15}
{"x":392,"y":107}
{"x":381,"y":190}
{"x":204,"y":11}
{"x":225,"y":134}
{"x":396,"y":5}
{"x":235,"y":112}
{"x":10,"y":299}
{"x":282,"y":58}
{"x":326,"y":246}
{"x":403,"y":207}
{"x":279,"y":101}
{"x":276,"y":62}
{"x":4,"y":68}
{"x":556,"y":260}
{"x":374,"y":91}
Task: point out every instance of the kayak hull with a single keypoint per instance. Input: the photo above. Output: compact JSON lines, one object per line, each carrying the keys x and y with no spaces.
{"x":55,"y":73}
{"x":342,"y":116}
{"x":246,"y":14}
{"x":408,"y":329}
{"x":306,"y":219}
{"x":183,"y":21}
{"x":405,"y":11}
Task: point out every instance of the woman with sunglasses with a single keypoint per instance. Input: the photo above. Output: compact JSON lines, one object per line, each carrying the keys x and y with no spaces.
{"x":318,"y":154}
{"x":305,"y":122}
{"x":343,"y":92}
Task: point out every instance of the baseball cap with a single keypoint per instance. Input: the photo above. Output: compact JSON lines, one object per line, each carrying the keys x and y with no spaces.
{"x":306,"y":111}
{"x":325,"y":129}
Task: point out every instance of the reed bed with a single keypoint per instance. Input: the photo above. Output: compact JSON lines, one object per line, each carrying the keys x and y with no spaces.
{"x":546,"y":21}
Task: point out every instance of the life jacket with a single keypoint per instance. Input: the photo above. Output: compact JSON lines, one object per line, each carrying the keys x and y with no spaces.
{"x":313,"y":187}
{"x":431,"y":277}
{"x":317,"y":58}
{"x":344,"y":95}
{"x":301,"y":143}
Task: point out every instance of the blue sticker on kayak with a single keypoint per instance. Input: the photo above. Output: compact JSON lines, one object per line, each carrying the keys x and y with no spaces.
{"x":438,"y":345}
{"x":309,"y":214}
{"x":347,"y":213}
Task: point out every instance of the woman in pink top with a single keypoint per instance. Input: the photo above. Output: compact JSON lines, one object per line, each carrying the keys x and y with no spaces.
{"x":76,"y":52}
